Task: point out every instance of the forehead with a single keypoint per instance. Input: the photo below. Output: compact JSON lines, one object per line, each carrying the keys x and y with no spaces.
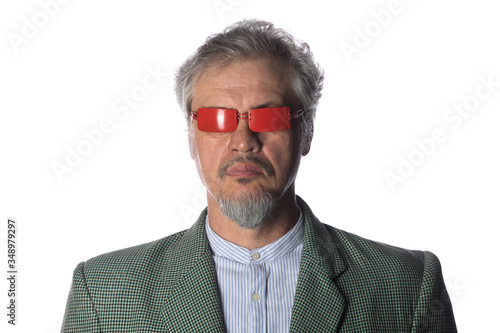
{"x":248,"y":83}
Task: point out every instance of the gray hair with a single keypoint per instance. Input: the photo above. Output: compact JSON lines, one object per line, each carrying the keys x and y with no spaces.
{"x":254,"y":39}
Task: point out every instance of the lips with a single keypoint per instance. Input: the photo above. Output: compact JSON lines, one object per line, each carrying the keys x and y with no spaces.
{"x":246,"y":167}
{"x":244,"y":170}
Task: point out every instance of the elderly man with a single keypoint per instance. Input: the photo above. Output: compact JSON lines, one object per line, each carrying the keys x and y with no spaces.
{"x":257,"y":259}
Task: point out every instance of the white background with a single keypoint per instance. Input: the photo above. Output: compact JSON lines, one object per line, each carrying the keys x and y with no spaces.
{"x":139,"y":183}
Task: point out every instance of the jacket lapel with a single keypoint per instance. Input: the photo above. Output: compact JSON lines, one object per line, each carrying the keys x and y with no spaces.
{"x":318,"y":304}
{"x":192,"y":300}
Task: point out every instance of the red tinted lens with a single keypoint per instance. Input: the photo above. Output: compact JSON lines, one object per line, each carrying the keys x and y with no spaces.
{"x":217,"y":120}
{"x":269,"y":119}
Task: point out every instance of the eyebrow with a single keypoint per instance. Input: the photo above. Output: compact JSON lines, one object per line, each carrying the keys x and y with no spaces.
{"x":265,"y":105}
{"x":216,"y":107}
{"x":260,"y":106}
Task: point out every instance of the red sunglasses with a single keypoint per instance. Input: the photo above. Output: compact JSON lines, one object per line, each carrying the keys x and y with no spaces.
{"x":219,"y":120}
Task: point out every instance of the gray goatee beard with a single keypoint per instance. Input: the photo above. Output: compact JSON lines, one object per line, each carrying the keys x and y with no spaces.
{"x":249,"y":210}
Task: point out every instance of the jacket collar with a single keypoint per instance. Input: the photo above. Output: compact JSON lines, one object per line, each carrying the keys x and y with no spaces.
{"x":318,"y":305}
{"x":192,"y":299}
{"x":192,"y":293}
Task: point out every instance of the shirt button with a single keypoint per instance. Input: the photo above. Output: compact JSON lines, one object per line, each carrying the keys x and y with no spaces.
{"x":256,"y":297}
{"x":255,"y":256}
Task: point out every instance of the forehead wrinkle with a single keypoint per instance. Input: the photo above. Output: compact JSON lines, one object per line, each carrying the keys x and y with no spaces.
{"x":234,"y":88}
{"x":230,"y":99}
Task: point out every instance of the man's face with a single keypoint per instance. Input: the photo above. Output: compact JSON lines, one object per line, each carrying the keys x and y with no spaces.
{"x":243,"y":162}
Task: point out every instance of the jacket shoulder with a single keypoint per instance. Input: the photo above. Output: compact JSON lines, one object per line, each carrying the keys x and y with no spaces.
{"x":406,"y":284}
{"x":133,"y":260}
{"x":363,"y":251}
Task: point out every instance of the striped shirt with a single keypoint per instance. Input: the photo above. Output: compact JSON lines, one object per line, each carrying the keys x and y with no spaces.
{"x":257,"y":286}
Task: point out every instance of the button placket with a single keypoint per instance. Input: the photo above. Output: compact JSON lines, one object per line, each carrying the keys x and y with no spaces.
{"x":258,"y":289}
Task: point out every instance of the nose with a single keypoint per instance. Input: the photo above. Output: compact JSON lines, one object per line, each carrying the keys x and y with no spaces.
{"x":243,"y":140}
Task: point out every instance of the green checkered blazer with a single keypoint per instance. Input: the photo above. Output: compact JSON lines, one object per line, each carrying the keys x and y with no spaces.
{"x":345,"y":284}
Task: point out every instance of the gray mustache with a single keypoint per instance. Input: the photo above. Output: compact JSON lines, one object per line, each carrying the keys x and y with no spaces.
{"x":266,"y":166}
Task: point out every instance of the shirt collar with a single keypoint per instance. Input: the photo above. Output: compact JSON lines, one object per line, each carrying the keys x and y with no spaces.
{"x":280,"y":247}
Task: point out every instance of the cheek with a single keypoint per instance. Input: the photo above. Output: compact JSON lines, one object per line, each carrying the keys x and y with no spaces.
{"x":207,"y":153}
{"x":284,"y":155}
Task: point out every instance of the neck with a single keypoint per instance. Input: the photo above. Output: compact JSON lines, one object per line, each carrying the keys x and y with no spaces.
{"x":282,"y":220}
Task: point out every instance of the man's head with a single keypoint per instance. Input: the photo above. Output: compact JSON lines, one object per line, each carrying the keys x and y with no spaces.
{"x":250,"y":65}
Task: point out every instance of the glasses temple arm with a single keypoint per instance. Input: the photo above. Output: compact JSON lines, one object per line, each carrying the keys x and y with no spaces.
{"x":297,"y":114}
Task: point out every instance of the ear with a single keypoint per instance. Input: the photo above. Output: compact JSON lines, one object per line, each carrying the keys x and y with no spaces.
{"x":191,"y":140}
{"x":305,"y":149}
{"x":306,"y":142}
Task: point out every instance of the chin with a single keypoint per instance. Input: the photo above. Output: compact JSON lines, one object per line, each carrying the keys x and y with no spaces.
{"x":244,"y":181}
{"x":249,"y":209}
